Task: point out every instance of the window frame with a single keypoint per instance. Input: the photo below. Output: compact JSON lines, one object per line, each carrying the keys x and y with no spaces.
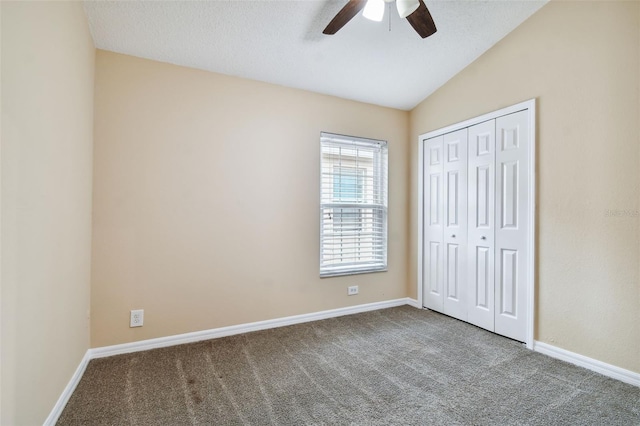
{"x":380,"y":205}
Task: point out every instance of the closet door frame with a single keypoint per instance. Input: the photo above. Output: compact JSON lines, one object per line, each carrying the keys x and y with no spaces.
{"x":530,"y":107}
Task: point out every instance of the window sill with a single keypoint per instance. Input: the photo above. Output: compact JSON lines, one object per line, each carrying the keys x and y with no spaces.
{"x":351,"y":272}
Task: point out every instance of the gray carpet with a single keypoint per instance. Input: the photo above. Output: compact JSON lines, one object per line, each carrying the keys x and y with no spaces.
{"x":398,"y":366}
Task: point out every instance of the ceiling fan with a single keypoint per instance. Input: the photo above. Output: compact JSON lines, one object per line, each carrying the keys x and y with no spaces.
{"x":415,"y":11}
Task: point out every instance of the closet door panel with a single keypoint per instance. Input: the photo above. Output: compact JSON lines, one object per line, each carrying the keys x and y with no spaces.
{"x":511,"y":224}
{"x":481,"y":225}
{"x":434,"y":251}
{"x":455,"y":224}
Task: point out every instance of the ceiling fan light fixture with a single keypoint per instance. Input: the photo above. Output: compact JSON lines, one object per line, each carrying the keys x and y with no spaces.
{"x":407,"y":7}
{"x":374,"y":10}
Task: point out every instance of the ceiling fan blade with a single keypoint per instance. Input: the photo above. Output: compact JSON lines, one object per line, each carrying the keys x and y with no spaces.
{"x":421,"y":21}
{"x":350,"y":10}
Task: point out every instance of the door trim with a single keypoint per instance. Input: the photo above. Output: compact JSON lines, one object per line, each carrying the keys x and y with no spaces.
{"x":529,"y":106}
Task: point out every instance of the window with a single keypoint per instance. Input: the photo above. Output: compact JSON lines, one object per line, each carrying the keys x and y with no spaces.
{"x":353,"y":205}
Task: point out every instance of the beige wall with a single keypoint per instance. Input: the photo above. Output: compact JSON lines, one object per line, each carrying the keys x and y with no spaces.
{"x":206,"y":200}
{"x":47,"y":116}
{"x":581,"y":61}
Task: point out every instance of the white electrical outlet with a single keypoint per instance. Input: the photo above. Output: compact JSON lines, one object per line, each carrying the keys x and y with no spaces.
{"x":137,"y":318}
{"x":352,"y":290}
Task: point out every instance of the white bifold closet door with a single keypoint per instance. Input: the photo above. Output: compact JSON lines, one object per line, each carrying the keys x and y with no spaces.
{"x":445,"y":254}
{"x":434,"y":228}
{"x":481,"y":252}
{"x":455,"y":224}
{"x":512,"y":201}
{"x":475,"y":233}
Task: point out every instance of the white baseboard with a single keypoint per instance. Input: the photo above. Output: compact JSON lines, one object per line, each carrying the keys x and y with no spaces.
{"x":68,"y":390}
{"x":215,"y":333}
{"x":603,"y":368}
{"x":414,"y":303}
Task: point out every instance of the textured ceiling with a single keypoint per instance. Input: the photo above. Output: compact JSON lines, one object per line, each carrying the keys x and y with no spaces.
{"x":384,"y":63}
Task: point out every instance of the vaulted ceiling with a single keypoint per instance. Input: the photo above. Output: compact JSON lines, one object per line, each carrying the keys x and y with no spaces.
{"x":281,"y":42}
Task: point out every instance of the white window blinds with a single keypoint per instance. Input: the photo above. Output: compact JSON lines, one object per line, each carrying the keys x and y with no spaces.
{"x":353,"y":205}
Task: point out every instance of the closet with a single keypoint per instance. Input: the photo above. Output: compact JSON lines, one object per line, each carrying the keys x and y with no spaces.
{"x":476,"y":227}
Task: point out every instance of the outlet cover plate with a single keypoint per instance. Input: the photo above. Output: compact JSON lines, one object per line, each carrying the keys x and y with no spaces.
{"x":352,"y":290}
{"x":137,"y":318}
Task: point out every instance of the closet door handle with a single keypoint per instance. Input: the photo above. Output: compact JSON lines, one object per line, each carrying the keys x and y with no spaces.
{"x":453,"y":235}
{"x":483,"y":238}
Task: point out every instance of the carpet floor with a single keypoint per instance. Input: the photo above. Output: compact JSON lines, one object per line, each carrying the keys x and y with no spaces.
{"x":397,"y":366}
